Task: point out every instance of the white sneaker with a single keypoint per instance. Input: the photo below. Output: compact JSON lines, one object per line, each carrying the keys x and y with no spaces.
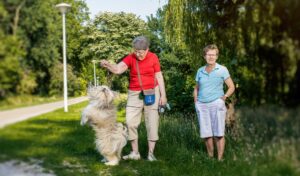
{"x":151,"y":157}
{"x":132,"y":156}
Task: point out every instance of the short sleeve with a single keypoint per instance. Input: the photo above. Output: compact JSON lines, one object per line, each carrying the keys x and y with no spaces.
{"x":127,"y":61}
{"x":197,"y":75}
{"x":156,"y":64}
{"x":225,"y":73}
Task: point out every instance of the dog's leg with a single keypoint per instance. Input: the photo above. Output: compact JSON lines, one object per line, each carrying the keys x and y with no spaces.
{"x":119,"y":152}
{"x":84,"y":117}
{"x":122,"y":143}
{"x":84,"y":120}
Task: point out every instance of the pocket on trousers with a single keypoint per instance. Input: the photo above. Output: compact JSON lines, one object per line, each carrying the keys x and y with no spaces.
{"x":133,"y":99}
{"x":221,"y":105}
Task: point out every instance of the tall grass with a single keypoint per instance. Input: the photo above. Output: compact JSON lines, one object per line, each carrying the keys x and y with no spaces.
{"x":263,"y":141}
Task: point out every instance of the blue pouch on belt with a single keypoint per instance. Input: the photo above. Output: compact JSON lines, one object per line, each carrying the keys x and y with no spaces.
{"x":149,"y":96}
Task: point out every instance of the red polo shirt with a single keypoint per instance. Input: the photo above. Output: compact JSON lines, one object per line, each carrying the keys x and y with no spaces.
{"x":148,"y":67}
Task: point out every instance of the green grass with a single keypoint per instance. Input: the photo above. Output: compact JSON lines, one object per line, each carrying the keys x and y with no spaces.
{"x":25,"y":100}
{"x":264,"y":141}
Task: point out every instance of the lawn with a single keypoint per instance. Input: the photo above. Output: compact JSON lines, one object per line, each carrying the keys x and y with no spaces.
{"x":263,"y":141}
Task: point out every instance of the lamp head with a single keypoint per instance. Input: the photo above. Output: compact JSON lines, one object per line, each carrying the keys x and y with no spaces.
{"x":63,"y":7}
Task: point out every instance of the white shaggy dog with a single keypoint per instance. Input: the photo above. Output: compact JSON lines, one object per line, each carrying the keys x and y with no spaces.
{"x":111,"y":136}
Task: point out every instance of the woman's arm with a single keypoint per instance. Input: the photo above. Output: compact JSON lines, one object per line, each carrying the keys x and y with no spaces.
{"x":114,"y":68}
{"x":231,"y":88}
{"x":196,"y":89}
{"x":161,"y":84}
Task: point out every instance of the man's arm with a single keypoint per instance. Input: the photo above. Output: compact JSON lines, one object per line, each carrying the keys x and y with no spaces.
{"x":114,"y":68}
{"x":161,"y":84}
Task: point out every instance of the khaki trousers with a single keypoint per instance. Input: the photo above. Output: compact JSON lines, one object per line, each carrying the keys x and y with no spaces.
{"x":134,"y":110}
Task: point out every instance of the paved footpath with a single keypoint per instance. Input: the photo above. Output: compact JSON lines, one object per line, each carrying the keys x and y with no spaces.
{"x":16,"y":115}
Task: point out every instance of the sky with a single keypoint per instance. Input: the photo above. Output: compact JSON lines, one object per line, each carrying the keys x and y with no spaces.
{"x":141,"y":8}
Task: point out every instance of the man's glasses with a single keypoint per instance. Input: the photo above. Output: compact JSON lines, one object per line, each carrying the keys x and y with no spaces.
{"x":211,"y":55}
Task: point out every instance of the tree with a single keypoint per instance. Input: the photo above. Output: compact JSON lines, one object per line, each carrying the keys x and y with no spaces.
{"x":35,"y":27}
{"x":10,"y":67}
{"x":11,"y":53}
{"x":256,"y":41}
{"x":175,"y":62}
{"x":56,"y":81}
{"x":109,"y":37}
{"x":43,"y":33}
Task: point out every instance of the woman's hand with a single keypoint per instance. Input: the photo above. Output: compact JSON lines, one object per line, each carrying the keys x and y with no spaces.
{"x":114,"y":68}
{"x":163,"y":100}
{"x":104,"y":63}
{"x":224,"y":97}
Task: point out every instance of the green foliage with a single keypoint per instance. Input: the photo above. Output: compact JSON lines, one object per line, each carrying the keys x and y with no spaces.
{"x":109,"y":36}
{"x":30,"y":36}
{"x":179,"y":82}
{"x":257,"y":42}
{"x":10,"y":67}
{"x":75,"y":86}
{"x":177,"y":68}
{"x":112,"y":33}
{"x":120,"y":102}
{"x":27,"y":84}
{"x":76,"y":19}
{"x":3,"y":13}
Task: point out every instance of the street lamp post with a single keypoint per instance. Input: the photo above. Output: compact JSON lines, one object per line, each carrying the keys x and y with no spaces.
{"x":63,"y":8}
{"x":95,"y":80}
{"x":94,"y":62}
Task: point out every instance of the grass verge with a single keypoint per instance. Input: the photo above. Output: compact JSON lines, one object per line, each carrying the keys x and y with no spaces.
{"x":265,"y":142}
{"x":25,"y":100}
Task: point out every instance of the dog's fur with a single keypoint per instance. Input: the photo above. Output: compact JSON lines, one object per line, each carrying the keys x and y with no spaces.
{"x":111,"y":136}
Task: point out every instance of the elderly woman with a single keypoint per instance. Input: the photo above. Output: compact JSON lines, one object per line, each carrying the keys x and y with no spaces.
{"x":210,"y":99}
{"x":145,"y":74}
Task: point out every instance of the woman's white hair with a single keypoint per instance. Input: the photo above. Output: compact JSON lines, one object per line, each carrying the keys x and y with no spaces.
{"x":141,"y":43}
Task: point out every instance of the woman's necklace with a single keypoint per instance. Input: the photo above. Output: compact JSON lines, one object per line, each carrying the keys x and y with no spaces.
{"x":209,"y":68}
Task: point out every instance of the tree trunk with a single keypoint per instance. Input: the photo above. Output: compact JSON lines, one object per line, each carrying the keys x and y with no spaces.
{"x":16,"y":18}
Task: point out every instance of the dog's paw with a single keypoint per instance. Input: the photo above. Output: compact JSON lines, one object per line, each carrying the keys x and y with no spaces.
{"x":83,"y":120}
{"x":112,"y":163}
{"x":104,"y":160}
